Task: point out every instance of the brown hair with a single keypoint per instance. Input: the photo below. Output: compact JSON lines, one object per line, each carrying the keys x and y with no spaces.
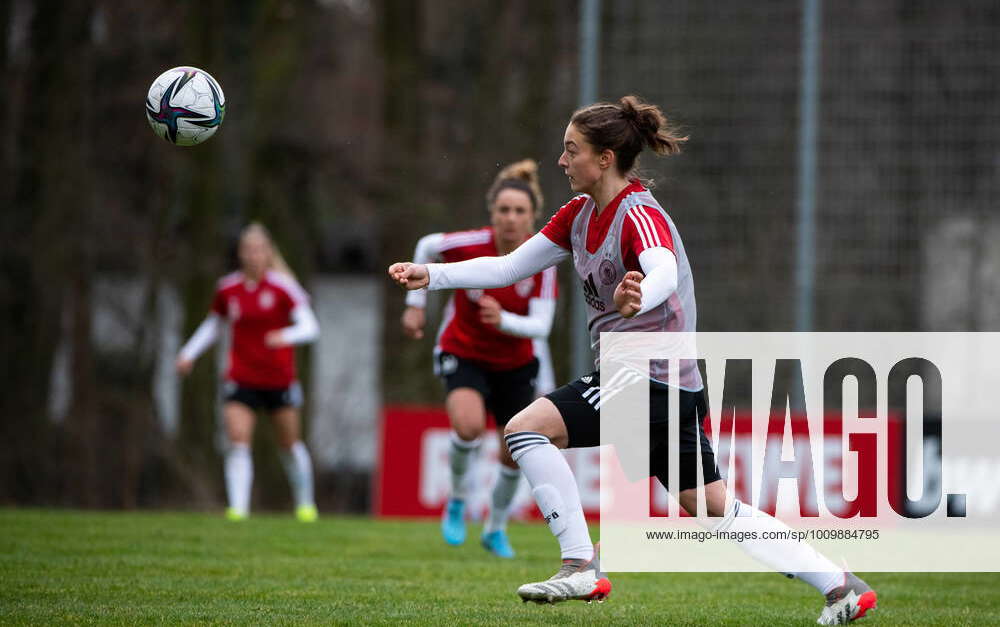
{"x":521,"y":175}
{"x":626,"y":127}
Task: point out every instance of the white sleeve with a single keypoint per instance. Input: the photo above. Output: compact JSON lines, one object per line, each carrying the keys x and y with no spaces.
{"x":536,"y":324}
{"x":428,"y":250}
{"x":660,"y":267}
{"x":305,"y":327}
{"x":204,"y":336}
{"x":546,"y":380}
{"x":529,"y":258}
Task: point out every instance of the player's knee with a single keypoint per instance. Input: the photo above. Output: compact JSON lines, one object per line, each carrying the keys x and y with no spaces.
{"x":715,"y":500}
{"x":527,"y":420}
{"x":468,"y":431}
{"x":514,"y":425}
{"x":468,"y":423}
{"x":688,"y":500}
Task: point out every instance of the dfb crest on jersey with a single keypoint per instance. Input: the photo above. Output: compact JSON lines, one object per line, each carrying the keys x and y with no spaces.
{"x":474,"y":295}
{"x":266,"y":299}
{"x":524,"y":287}
{"x":607,"y":272}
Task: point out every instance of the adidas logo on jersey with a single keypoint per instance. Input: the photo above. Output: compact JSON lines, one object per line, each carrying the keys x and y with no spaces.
{"x":591,"y":295}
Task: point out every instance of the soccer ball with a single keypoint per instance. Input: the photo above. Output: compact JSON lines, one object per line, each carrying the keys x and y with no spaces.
{"x":185,"y":106}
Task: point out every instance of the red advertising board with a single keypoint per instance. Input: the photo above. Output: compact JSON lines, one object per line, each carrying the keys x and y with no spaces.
{"x":413,"y":479}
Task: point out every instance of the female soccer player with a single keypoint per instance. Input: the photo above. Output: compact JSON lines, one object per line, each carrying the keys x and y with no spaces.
{"x":487,"y":345}
{"x":269,"y":313}
{"x":636,"y":277}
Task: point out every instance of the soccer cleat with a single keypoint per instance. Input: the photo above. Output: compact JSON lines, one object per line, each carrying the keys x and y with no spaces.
{"x":306,"y":513}
{"x":577,"y":579}
{"x":497,"y":543}
{"x":848,"y":602}
{"x":235,"y":515}
{"x":453,"y":522}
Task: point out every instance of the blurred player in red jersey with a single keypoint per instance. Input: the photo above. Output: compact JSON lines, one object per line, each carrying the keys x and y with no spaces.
{"x":491,"y":348}
{"x":269,"y":313}
{"x":636,"y":277}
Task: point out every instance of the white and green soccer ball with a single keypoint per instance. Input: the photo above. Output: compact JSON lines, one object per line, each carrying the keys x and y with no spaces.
{"x":185,"y":105}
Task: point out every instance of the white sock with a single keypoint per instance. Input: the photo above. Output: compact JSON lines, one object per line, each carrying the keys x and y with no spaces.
{"x":298,"y":467}
{"x":239,"y":477}
{"x":458,"y":457}
{"x":792,"y":557}
{"x":554,"y":490}
{"x":508,"y":479}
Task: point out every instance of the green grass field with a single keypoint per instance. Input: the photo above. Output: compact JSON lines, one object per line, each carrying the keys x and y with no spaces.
{"x":72,"y":567}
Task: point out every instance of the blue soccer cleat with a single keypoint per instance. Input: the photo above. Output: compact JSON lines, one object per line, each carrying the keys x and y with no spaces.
{"x":453,"y":522}
{"x":497,"y":543}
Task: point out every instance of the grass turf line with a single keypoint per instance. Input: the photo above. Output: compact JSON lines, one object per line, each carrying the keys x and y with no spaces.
{"x":114,"y":568}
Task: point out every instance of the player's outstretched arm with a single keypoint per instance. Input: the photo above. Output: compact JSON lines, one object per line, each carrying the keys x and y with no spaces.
{"x":304,"y":329}
{"x":535,"y":325}
{"x":541,"y":312}
{"x":413,"y":321}
{"x":414,"y":316}
{"x":204,"y":336}
{"x":428,"y":250}
{"x":530,"y":258}
{"x":411,"y":276}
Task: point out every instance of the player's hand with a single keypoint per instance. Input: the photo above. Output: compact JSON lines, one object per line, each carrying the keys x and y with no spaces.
{"x":489,"y":310}
{"x":628,"y":294}
{"x":184,"y":366}
{"x":414,"y":319}
{"x":411,"y":276}
{"x":275,"y":339}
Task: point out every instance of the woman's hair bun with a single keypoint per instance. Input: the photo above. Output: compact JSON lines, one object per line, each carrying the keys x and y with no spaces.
{"x":521,"y":175}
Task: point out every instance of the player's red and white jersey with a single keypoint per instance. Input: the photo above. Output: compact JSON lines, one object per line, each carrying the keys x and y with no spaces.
{"x":462,"y":333}
{"x":607,"y":245}
{"x":646,"y":227}
{"x":254,"y":308}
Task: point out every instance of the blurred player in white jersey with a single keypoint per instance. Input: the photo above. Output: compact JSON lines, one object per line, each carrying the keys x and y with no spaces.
{"x":491,"y":349}
{"x":269,"y":314}
{"x":636,"y":277}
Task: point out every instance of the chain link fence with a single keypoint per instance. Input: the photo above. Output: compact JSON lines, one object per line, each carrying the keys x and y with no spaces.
{"x":908,"y":156}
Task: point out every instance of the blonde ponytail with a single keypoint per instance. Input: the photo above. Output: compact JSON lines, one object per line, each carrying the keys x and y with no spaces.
{"x":278,"y":263}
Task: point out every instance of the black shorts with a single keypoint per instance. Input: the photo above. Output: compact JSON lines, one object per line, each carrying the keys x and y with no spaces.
{"x":577,"y":401}
{"x":267,"y":399}
{"x":505,"y":392}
